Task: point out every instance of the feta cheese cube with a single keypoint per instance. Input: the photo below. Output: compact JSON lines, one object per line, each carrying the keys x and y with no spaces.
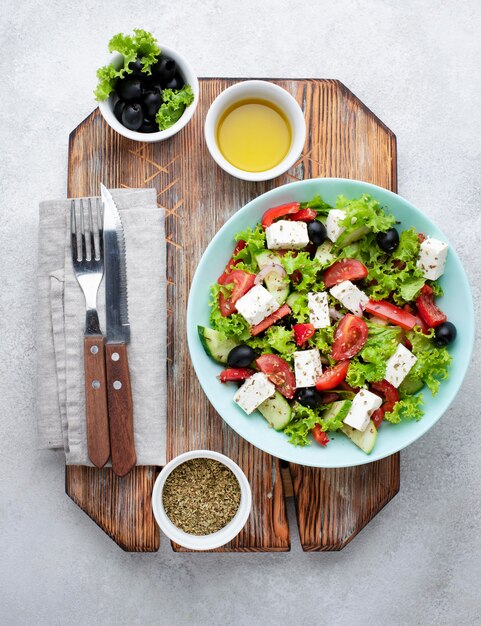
{"x":399,"y":365}
{"x":253,"y":392}
{"x":308,"y":367}
{"x":256,"y":305}
{"x":432,"y":258}
{"x":363,"y":406}
{"x":318,"y":309}
{"x":350,"y":296}
{"x":287,"y":235}
{"x":334,"y":230}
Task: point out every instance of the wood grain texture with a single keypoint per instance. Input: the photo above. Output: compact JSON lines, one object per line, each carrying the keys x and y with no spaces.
{"x":98,"y":439}
{"x":344,"y":139}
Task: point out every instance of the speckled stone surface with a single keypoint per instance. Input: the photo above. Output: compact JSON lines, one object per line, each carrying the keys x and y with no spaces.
{"x":416,"y":65}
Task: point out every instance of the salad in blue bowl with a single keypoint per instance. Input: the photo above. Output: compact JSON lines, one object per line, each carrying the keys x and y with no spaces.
{"x":331,"y":335}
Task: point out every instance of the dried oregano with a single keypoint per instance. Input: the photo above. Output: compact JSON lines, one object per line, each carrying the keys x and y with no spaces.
{"x":201,"y":496}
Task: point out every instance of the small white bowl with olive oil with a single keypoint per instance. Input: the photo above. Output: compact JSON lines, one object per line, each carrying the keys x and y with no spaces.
{"x":255,"y":130}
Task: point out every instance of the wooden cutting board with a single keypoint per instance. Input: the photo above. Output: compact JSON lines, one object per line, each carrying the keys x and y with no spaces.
{"x":344,"y":139}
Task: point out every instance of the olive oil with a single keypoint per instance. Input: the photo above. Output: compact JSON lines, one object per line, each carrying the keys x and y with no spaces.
{"x":254,"y":135}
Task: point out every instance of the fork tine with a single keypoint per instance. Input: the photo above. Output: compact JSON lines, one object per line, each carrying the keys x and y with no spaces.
{"x":100,"y":226}
{"x":82,"y":231}
{"x":73,"y":230}
{"x":93,"y":251}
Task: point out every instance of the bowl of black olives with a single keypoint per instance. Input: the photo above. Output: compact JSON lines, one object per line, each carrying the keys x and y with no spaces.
{"x":150,"y":105}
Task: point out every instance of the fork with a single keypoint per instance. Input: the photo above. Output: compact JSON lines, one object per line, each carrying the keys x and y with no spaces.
{"x":89,"y":269}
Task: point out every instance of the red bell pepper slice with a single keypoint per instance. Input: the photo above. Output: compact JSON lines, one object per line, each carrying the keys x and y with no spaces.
{"x":271,"y":319}
{"x":303,"y":332}
{"x":394,"y":314}
{"x":304,"y":215}
{"x":279,"y":211}
{"x":431,"y":314}
{"x":235,"y":374}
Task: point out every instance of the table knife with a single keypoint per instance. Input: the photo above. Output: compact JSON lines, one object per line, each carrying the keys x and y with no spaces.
{"x":119,"y":390}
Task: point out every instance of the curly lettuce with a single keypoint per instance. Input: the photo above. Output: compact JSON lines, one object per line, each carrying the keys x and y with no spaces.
{"x":304,"y":419}
{"x":309,"y":268}
{"x":142,"y":44}
{"x":173,"y":106}
{"x":432,"y":363}
{"x":255,"y":240}
{"x":234,"y":326}
{"x":408,"y":408}
{"x":364,"y":212}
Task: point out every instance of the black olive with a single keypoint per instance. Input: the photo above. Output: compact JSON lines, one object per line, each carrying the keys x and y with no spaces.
{"x":241,"y":356}
{"x":444,"y":334}
{"x":151,"y":102}
{"x":136,"y":66}
{"x":175,"y":83}
{"x":119,"y":109}
{"x":388,"y":241}
{"x":165,"y":68}
{"x":149,"y":126}
{"x":317,"y":232}
{"x":133,"y":116}
{"x":129,"y":89}
{"x":309,"y":396}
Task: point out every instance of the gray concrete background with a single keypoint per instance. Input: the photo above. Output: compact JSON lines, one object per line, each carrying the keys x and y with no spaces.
{"x":414,"y":63}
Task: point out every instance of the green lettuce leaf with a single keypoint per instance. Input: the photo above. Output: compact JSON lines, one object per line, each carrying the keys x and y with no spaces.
{"x":322,"y":339}
{"x":175,"y":103}
{"x":308,"y":267}
{"x":234,"y":326}
{"x":364,"y":211}
{"x":255,"y":239}
{"x":142,"y":44}
{"x":432,"y":363}
{"x":408,"y":408}
{"x":304,"y":419}
{"x":370,"y":364}
{"x":318,"y":204}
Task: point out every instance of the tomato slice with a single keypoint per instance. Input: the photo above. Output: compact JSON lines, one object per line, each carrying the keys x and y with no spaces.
{"x":271,"y":319}
{"x":390,"y":395}
{"x":303,"y":332}
{"x":332,"y":376}
{"x":304,"y":215}
{"x":234,"y":374}
{"x":232,"y":262}
{"x":226,"y":306}
{"x":279,"y":373}
{"x":320,"y":436}
{"x":349,"y":338}
{"x":345,"y":269}
{"x":243,"y":281}
{"x":279,"y":211}
{"x":392,"y":313}
{"x":431,"y":314}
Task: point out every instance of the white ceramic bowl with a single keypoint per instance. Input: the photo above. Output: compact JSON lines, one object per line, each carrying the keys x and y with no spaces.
{"x":222,"y":536}
{"x":262,"y":90}
{"x":187,"y":73}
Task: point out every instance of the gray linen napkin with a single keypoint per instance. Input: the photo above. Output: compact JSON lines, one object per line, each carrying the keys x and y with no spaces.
{"x":61,"y":318}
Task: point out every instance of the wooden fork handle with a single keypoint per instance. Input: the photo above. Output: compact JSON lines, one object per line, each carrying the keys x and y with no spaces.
{"x":120,"y":408}
{"x":98,"y":439}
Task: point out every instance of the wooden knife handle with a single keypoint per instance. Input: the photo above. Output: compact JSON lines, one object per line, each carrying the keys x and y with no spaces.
{"x":98,"y":440}
{"x":120,"y":409}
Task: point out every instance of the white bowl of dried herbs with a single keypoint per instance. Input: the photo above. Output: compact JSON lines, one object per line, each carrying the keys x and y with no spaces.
{"x":201,"y":500}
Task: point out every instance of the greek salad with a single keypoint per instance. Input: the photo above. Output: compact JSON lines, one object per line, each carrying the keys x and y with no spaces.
{"x":325,"y":319}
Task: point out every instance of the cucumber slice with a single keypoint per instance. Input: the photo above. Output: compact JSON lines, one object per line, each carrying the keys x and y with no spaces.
{"x":346,"y":238}
{"x":365,"y":439}
{"x":216,"y":344}
{"x":277,"y":286}
{"x":276,"y":410}
{"x":410,"y":386}
{"x":293,"y":297}
{"x":338,"y":410}
{"x":324,"y":254}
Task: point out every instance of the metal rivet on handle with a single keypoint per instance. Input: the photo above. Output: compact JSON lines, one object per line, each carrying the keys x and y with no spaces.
{"x":117,"y":384}
{"x":94,"y":349}
{"x":96,"y":384}
{"x":115,"y":356}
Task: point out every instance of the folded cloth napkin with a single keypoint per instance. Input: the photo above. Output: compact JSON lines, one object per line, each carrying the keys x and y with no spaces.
{"x":61,"y":320}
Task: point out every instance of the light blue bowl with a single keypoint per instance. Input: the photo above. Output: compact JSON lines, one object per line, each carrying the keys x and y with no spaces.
{"x":341,"y":452}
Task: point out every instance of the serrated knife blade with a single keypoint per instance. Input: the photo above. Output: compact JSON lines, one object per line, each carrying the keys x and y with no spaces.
{"x":119,"y":390}
{"x":116,"y":301}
